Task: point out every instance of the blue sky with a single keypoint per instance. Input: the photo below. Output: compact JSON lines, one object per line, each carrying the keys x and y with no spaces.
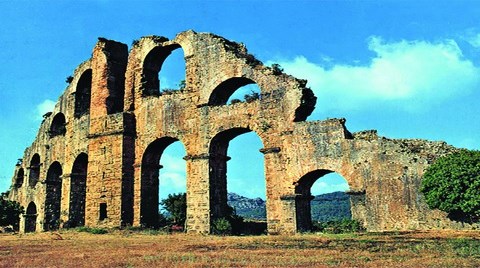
{"x":409,"y":69}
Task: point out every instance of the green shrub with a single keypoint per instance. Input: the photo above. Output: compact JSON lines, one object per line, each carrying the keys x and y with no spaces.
{"x":92,"y":230}
{"x":221,"y":226}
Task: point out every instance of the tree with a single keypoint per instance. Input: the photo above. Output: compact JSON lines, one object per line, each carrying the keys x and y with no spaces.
{"x":10,"y":211}
{"x":176,"y":206}
{"x":452,"y":184}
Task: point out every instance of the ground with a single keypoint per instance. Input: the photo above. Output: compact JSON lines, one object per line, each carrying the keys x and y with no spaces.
{"x":128,"y":248}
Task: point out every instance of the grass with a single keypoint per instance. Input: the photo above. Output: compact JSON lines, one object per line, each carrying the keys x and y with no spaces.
{"x":138,"y":248}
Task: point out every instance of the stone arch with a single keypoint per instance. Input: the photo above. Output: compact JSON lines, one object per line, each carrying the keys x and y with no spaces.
{"x":218,"y":170}
{"x":303,"y":196}
{"x":82,"y":94}
{"x":31,"y":218}
{"x":149,"y":185}
{"x":53,"y":197}
{"x":224,"y":90}
{"x":19,"y":178}
{"x":34,"y":170}
{"x":57,"y":128}
{"x":152,"y":66}
{"x":78,"y":191}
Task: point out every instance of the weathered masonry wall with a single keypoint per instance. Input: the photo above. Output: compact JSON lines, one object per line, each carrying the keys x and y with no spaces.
{"x":95,"y":160}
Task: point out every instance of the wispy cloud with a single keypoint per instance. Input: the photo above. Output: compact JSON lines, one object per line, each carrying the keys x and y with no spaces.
{"x":43,"y":108}
{"x":411,"y":75}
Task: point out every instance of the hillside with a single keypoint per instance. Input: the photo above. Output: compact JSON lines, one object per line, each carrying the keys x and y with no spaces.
{"x":325,"y":207}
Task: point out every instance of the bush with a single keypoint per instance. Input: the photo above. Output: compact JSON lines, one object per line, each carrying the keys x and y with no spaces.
{"x":92,"y":230}
{"x":221,"y":226}
{"x":452,"y":184}
{"x":10,"y":212}
{"x":338,"y":227}
{"x":176,"y":206}
{"x":253,"y":96}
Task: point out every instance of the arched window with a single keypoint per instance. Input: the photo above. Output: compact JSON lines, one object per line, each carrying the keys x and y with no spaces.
{"x":321,"y":197}
{"x":53,"y":198}
{"x":156,"y":183}
{"x":233,"y":90}
{"x":82,"y":94}
{"x":163,"y":71}
{"x":19,"y":178}
{"x":34,"y":172}
{"x":57,"y":128}
{"x":31,"y":218}
{"x":78,"y":189}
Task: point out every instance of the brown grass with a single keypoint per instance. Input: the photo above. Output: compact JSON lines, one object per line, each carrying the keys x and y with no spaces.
{"x":141,"y":249}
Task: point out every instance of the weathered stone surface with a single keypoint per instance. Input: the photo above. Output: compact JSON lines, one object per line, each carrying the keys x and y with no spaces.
{"x":96,"y":157}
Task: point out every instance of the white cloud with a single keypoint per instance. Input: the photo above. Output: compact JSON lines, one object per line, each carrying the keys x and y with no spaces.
{"x":473,"y":39}
{"x":44,"y":107}
{"x":409,"y":74}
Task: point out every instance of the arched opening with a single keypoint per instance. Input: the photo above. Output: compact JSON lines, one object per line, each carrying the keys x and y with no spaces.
{"x":19,"y":178}
{"x":57,"y":128}
{"x":163,"y":71}
{"x":321,"y":197}
{"x":34,"y":170}
{"x":156,"y":184}
{"x":234,"y":90}
{"x":82,"y":94}
{"x":245,"y":174}
{"x":53,"y":198}
{"x":31,"y":218}
{"x":78,"y":189}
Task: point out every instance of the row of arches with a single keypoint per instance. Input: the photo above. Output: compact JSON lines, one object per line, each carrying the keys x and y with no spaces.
{"x":220,"y":166}
{"x":53,"y":198}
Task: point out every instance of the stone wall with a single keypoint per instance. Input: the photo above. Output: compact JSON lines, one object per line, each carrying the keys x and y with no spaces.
{"x":116,"y":125}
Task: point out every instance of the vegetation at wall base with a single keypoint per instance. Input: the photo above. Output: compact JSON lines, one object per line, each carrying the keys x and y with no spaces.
{"x":452,"y":184}
{"x":10,"y":212}
{"x":338,"y":226}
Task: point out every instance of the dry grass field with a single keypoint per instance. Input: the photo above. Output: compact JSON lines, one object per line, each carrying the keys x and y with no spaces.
{"x":124,"y":248}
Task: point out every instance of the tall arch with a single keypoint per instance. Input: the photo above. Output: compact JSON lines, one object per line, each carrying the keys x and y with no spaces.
{"x":224,"y":90}
{"x":82,"y":94}
{"x":53,"y":198}
{"x":150,"y":177}
{"x":303,"y":198}
{"x":19,"y":178}
{"x":31,"y":218}
{"x":57,"y":128}
{"x":218,"y":170}
{"x":78,"y":190}
{"x":34,"y":170}
{"x":152,"y":68}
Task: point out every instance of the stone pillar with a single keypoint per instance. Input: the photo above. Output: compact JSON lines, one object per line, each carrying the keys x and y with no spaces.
{"x":198,"y":194}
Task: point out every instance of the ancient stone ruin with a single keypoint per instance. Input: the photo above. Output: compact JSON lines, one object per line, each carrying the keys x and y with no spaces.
{"x":95,"y":160}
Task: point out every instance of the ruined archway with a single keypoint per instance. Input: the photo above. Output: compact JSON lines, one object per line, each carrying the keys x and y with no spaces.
{"x":218,"y":171}
{"x":57,"y":128}
{"x":153,"y":66}
{"x":53,"y":198}
{"x":34,"y":172}
{"x":83,"y":93}
{"x":31,"y":218}
{"x":304,"y":197}
{"x":150,"y":180}
{"x":78,"y":188}
{"x":19,"y":178}
{"x":224,"y":90}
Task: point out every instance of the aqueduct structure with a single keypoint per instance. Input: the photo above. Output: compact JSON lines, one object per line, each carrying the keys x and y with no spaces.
{"x":95,"y":160}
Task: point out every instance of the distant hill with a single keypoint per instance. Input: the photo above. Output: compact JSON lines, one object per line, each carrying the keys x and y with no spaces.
{"x":325,"y":207}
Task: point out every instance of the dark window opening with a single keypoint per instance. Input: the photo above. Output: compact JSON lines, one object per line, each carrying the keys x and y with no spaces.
{"x":82,"y":94}
{"x":57,"y":128}
{"x":34,"y":170}
{"x":163,"y":71}
{"x":19,"y":178}
{"x":78,"y":187}
{"x":31,"y":218}
{"x":103,"y":211}
{"x":54,"y":197}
